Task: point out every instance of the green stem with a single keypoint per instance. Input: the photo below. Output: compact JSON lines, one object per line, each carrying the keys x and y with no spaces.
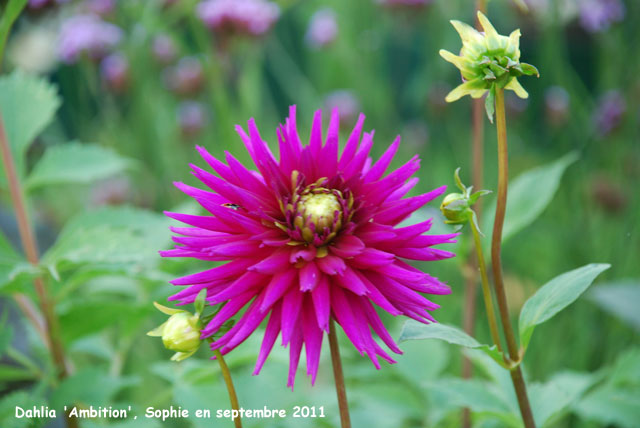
{"x":226,"y":374}
{"x":486,"y":289}
{"x":496,"y":243}
{"x":31,"y":250}
{"x":338,"y":375}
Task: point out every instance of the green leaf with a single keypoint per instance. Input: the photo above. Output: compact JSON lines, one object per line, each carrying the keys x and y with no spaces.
{"x":479,"y":396}
{"x":7,"y":18}
{"x":553,"y":398}
{"x":27,"y":103}
{"x":75,"y":163}
{"x":113,"y":235}
{"x":22,"y":399}
{"x":9,"y":259}
{"x":490,"y":103}
{"x":414,"y":330}
{"x":83,"y":317}
{"x":89,"y":387}
{"x":11,"y":373}
{"x":554,"y":296}
{"x":529,"y":195}
{"x":612,"y":406}
{"x":620,"y":299}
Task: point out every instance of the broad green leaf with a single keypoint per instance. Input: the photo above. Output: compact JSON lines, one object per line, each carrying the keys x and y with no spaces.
{"x":553,"y":398}
{"x":413,"y":330}
{"x":554,"y":296}
{"x":8,"y":16}
{"x":75,"y":163}
{"x":620,"y":299}
{"x":110,"y":235}
{"x":89,"y":387}
{"x":609,"y":405}
{"x":6,"y":333}
{"x":27,"y":104}
{"x":478,"y":395}
{"x":84,"y":317}
{"x":528,"y":196}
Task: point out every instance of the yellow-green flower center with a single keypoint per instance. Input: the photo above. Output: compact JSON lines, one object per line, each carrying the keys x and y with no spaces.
{"x":319,"y":208}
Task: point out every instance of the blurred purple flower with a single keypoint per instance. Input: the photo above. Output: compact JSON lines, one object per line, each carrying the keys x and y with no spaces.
{"x":598,"y":15}
{"x":556,"y":101}
{"x":186,"y":77}
{"x":347,"y":104}
{"x":253,"y":17}
{"x":609,"y":112}
{"x":38,"y":4}
{"x":323,"y":28}
{"x":101,"y":7}
{"x":114,"y":70}
{"x":163,"y":49}
{"x":86,"y":34}
{"x":192,"y":117}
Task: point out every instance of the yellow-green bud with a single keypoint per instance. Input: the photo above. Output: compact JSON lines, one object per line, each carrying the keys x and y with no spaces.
{"x":455,"y":208}
{"x":181,"y":333}
{"x":487,"y":61}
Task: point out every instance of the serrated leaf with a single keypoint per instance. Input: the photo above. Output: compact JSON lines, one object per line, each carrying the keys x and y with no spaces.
{"x":27,"y":103}
{"x":113,"y":235}
{"x":414,"y":330}
{"x":620,"y":299}
{"x":529,"y":195}
{"x":554,"y":296}
{"x":75,"y":163}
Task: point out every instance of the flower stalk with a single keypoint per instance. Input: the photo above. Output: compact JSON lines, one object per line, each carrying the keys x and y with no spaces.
{"x":496,"y":244}
{"x":226,"y":374}
{"x":29,"y":244}
{"x":345,"y":419}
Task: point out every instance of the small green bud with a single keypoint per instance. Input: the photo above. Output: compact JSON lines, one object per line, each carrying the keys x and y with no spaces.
{"x":180,"y":333}
{"x":487,"y":60}
{"x":455,"y":208}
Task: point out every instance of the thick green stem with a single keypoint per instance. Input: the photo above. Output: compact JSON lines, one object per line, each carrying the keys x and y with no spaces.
{"x":496,"y":244}
{"x":226,"y":374}
{"x":345,"y":419}
{"x":486,"y":288}
{"x":31,"y":250}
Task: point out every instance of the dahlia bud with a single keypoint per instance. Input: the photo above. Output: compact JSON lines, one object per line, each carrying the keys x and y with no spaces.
{"x":180,"y":333}
{"x":457,"y":207}
{"x":487,"y":61}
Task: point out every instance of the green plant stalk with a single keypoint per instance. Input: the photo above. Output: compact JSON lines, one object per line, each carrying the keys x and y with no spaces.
{"x":486,"y":288}
{"x":338,"y":375}
{"x":11,"y":11}
{"x":496,"y":244}
{"x":226,"y":374}
{"x":54,"y":339}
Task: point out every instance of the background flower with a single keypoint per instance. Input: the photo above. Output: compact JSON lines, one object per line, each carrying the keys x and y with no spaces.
{"x":307,"y":238}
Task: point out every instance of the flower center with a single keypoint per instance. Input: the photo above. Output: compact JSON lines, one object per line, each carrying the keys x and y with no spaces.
{"x":314,"y":214}
{"x":320,"y":207}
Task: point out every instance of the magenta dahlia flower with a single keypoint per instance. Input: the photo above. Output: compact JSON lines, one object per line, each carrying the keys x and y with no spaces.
{"x":307,"y":238}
